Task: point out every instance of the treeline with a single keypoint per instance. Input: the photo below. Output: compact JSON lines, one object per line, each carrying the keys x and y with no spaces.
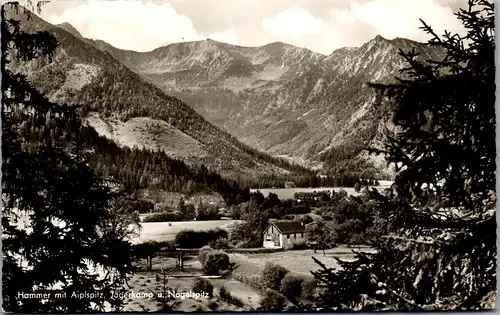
{"x":344,"y":162}
{"x":338,"y":179}
{"x":132,"y":168}
{"x":142,"y":168}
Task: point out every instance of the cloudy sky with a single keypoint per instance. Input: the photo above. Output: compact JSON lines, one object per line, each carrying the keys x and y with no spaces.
{"x":319,"y":25}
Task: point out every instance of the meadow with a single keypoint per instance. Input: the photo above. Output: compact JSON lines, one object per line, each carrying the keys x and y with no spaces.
{"x":162,"y":231}
{"x":299,"y":262}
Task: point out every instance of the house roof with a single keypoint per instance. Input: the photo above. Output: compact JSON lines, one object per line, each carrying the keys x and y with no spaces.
{"x":288,"y":227}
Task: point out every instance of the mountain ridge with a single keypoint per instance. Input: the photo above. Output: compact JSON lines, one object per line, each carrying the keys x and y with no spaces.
{"x":284,"y":100}
{"x":302,"y":104}
{"x":82,"y":74}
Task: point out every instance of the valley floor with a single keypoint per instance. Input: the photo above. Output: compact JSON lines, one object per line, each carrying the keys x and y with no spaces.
{"x":249,"y":264}
{"x":296,"y":261}
{"x":166,"y":231}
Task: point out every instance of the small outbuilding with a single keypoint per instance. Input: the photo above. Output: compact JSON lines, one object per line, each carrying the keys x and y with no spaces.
{"x":280,"y":233}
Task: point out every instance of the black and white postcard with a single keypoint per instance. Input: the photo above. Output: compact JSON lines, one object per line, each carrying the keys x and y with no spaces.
{"x":248,"y":156}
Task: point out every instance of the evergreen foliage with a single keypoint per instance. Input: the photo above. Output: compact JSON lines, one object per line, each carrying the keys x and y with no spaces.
{"x":59,"y":222}
{"x":272,"y":275}
{"x":441,"y":253}
{"x":137,"y":169}
{"x":291,"y":286}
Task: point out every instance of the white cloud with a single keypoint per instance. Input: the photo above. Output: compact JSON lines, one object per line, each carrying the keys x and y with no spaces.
{"x":398,"y":18}
{"x":360,"y":21}
{"x":294,"y":21}
{"x":134,"y":25}
{"x":320,"y":25}
{"x":227,"y":36}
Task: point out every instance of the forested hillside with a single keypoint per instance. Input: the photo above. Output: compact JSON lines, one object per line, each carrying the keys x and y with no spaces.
{"x":82,"y":74}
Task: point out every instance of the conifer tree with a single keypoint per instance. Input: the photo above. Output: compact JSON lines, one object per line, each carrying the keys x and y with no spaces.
{"x":441,"y":254}
{"x":57,"y":230}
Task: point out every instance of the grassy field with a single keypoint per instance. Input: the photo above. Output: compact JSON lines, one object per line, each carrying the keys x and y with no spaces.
{"x":287,"y":193}
{"x":145,"y":281}
{"x":296,"y":261}
{"x":161,"y":231}
{"x":249,"y":265}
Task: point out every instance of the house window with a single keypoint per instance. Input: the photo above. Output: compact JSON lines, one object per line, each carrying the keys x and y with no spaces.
{"x":288,"y":236}
{"x":301,"y":234}
{"x":268,"y":237}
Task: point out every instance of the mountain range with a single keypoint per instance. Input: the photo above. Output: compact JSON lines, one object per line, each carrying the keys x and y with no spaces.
{"x":285,"y":100}
{"x":122,"y":106}
{"x":238,"y":110}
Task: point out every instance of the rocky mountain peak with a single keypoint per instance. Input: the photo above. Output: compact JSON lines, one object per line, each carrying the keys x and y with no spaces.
{"x":379,"y":38}
{"x":70,"y":29}
{"x":279,"y":98}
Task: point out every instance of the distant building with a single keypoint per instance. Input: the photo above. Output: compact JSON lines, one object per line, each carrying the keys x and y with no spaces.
{"x":315,"y":195}
{"x":280,"y":233}
{"x":290,"y":185}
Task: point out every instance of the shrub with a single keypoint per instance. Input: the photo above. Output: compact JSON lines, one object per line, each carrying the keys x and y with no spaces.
{"x":220,"y":243}
{"x":203,"y":285}
{"x":291,"y":286}
{"x":309,"y":289}
{"x":143,"y":206}
{"x":272,"y":276}
{"x":208,"y":213}
{"x":163,"y":217}
{"x":202,"y":254}
{"x":272,"y":302}
{"x":216,"y":262}
{"x":198,"y":239}
{"x":297,"y":245}
{"x":212,"y":305}
{"x":184,"y":237}
{"x":357,"y":187}
{"x":226,"y":296}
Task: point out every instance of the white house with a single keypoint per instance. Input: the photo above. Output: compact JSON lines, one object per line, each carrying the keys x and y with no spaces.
{"x":280,"y":233}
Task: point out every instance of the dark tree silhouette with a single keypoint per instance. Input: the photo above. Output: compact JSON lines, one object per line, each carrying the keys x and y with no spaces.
{"x":58,"y":225}
{"x":441,"y":253}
